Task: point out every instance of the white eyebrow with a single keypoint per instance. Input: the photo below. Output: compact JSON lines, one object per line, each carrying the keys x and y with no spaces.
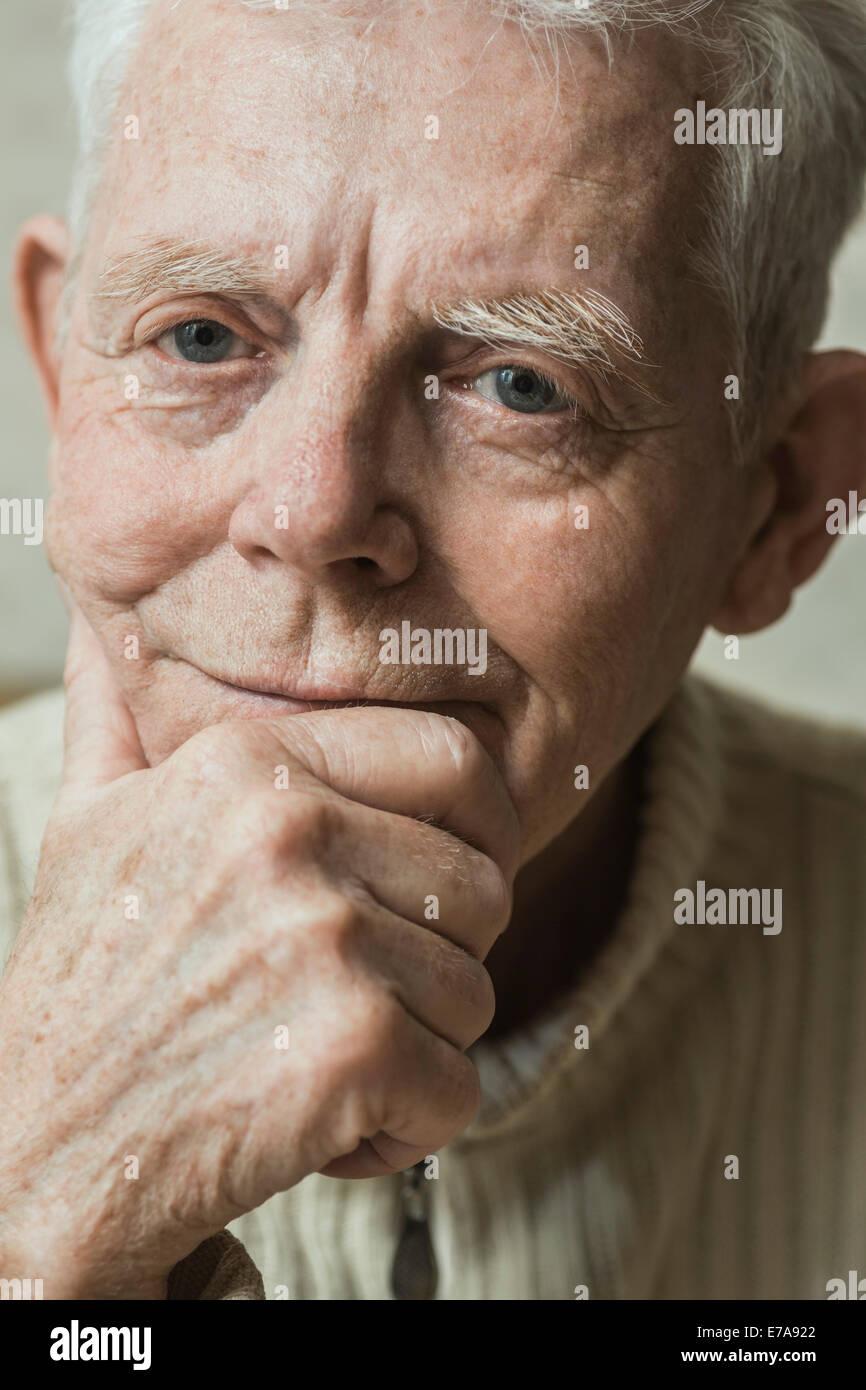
{"x":183,"y":267}
{"x":584,"y":329}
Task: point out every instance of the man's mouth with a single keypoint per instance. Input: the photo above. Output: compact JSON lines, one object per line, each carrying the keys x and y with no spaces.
{"x":334,"y":695}
{"x":248,"y":698}
{"x":291,"y":702}
{"x":295,"y":702}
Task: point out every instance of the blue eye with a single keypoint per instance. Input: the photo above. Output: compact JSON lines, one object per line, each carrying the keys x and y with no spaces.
{"x":526,"y":390}
{"x":202,"y":340}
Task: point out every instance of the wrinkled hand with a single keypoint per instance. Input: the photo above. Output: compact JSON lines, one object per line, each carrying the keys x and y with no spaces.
{"x":147,"y":1094}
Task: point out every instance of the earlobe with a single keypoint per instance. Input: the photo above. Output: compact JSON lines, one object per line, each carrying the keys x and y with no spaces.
{"x":754,"y":599}
{"x":38,"y":269}
{"x":759,"y":593}
{"x":820,"y":458}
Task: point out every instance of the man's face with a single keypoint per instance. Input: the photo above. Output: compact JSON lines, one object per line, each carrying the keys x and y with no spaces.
{"x":255,"y":502}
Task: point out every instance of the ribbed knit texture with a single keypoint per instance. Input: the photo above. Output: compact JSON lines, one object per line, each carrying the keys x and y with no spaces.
{"x":605,"y":1167}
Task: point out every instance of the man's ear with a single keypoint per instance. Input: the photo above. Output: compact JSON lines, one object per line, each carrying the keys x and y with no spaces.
{"x":38,"y":267}
{"x":821,"y":455}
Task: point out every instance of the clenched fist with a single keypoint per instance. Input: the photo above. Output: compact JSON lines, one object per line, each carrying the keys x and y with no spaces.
{"x":224,"y":983}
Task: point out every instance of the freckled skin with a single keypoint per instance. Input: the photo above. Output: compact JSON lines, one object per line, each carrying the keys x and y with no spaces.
{"x":465,"y":508}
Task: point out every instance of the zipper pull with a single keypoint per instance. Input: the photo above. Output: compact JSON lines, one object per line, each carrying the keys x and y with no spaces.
{"x":413,"y":1272}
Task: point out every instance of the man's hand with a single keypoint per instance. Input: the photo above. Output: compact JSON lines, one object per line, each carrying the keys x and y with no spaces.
{"x":183,"y":918}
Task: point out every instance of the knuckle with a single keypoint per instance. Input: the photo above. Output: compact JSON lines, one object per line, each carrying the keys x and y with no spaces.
{"x":207,"y":742}
{"x":464,"y":1092}
{"x":339,"y":923}
{"x":304,"y":825}
{"x":229,"y":740}
{"x":485,"y":999}
{"x":208,"y":754}
{"x":382,"y":1020}
{"x":464,"y":978}
{"x":365,"y":1058}
{"x":497,"y":895}
{"x":482,"y":1001}
{"x":464,"y":748}
{"x":287,"y":830}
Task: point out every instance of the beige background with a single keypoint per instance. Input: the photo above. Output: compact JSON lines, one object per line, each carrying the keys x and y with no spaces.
{"x":814,"y":660}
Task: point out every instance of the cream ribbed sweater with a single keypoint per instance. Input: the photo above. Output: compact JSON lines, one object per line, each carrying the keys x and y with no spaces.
{"x":605,"y":1167}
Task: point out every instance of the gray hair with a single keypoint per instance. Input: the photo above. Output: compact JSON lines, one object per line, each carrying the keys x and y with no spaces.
{"x":772,"y":225}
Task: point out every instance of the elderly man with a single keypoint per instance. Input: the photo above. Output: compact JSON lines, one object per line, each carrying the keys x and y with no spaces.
{"x":422,"y":383}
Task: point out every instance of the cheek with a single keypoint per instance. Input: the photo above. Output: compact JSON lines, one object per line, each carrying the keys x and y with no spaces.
{"x":601,"y":620}
{"x":563,"y":599}
{"x":598,"y":593}
{"x":126,"y":512}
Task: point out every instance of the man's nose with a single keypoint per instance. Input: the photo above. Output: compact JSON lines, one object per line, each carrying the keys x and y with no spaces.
{"x":321,"y":508}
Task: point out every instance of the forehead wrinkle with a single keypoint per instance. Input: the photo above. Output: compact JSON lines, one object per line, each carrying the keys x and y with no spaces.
{"x":586,"y":329}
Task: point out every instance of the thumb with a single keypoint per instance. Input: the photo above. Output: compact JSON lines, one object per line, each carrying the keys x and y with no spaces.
{"x":101,"y":741}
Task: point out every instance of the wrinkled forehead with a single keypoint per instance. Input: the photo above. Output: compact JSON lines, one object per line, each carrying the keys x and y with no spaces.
{"x":446,"y":122}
